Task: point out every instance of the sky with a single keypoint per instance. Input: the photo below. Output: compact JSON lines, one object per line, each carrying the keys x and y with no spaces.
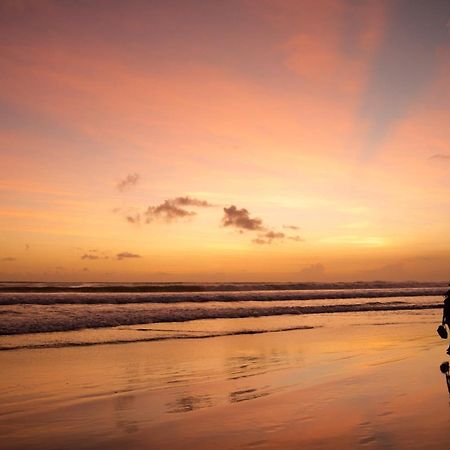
{"x":237,"y":140}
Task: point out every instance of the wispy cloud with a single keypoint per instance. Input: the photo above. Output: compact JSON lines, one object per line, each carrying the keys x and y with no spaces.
{"x":268,"y":237}
{"x":130,"y":180}
{"x":260,"y":241}
{"x":8,"y":259}
{"x":126,"y":255}
{"x":440,"y":157}
{"x":240,"y":219}
{"x":296,"y":238}
{"x":291,"y":227}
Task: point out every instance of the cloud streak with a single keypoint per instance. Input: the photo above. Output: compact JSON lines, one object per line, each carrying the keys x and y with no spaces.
{"x":296,"y":238}
{"x":440,"y":157}
{"x":94,"y":254}
{"x":90,"y":257}
{"x":189,"y":201}
{"x":127,"y":255}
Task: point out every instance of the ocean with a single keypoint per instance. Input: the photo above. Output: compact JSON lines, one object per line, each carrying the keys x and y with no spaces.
{"x":37,"y":315}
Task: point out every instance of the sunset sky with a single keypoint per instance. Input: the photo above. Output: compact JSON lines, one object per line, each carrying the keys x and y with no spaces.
{"x":224,"y":140}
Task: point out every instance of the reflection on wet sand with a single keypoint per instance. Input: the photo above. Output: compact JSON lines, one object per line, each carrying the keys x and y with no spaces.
{"x":189,"y":403}
{"x":340,"y":386}
{"x":247,"y":394}
{"x":123,"y":407}
{"x":242,"y":366}
{"x":250,"y":366}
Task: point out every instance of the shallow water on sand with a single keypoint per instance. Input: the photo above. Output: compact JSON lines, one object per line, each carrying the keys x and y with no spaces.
{"x":354,"y":380}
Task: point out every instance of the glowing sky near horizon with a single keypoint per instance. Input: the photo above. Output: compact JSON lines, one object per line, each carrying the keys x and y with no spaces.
{"x":225,"y":140}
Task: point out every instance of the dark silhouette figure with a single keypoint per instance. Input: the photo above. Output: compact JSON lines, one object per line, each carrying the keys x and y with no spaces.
{"x":445,"y":369}
{"x":446,"y":313}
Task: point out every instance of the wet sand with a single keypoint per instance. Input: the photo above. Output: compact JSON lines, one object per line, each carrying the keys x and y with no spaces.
{"x":357,"y":380}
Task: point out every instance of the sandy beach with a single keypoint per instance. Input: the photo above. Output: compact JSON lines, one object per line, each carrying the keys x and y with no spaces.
{"x":355,"y":380}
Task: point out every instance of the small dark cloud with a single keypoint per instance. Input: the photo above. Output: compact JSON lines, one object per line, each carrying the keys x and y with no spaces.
{"x":134,"y":219}
{"x":268,"y":237}
{"x":166,"y":212}
{"x":291,"y":227}
{"x":94,"y":254}
{"x":440,"y":157}
{"x":89,"y":256}
{"x":85,"y":269}
{"x":172,"y":209}
{"x":240,"y":219}
{"x":126,"y":255}
{"x":27,"y":247}
{"x":189,"y":201}
{"x":130,"y":180}
{"x":8,"y":259}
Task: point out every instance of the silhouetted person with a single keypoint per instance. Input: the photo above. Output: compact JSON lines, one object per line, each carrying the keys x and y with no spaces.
{"x":446,"y":313}
{"x":445,"y":369}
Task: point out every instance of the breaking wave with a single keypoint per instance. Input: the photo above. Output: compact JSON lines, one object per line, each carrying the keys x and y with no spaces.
{"x":38,"y":315}
{"x":50,"y":298}
{"x":49,"y":318}
{"x":36,"y":287}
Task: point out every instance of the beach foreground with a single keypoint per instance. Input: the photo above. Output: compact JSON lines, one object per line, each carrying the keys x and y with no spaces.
{"x":354,"y":380}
